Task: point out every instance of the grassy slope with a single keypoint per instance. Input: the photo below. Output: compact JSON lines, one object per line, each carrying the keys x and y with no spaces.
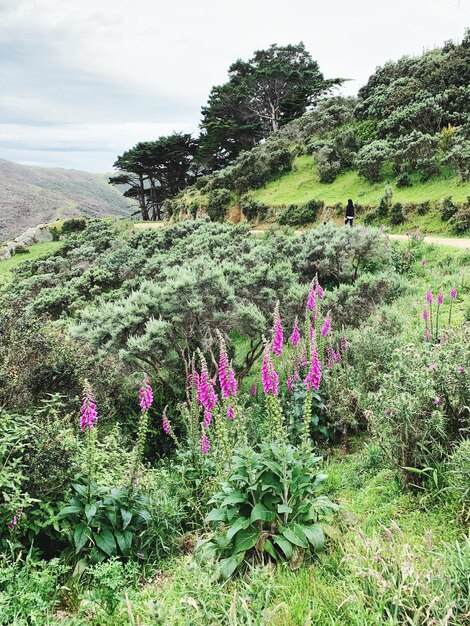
{"x":36,"y":251}
{"x":302,"y":184}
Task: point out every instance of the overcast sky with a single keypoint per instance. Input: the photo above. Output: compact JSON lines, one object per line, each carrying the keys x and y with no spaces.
{"x":82,"y":80}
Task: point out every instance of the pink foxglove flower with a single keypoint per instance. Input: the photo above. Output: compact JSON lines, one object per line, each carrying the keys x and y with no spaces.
{"x":460,"y":369}
{"x":344,"y":344}
{"x":425,"y":314}
{"x":440,"y":298}
{"x":205,"y":393}
{"x":230,"y":412}
{"x":312,"y":381}
{"x":145,"y":394}
{"x":311,"y":299}
{"x":423,"y":262}
{"x":253,"y":390}
{"x":278,"y":336}
{"x":318,"y":289}
{"x":166,"y":424}
{"x":205,"y":443}
{"x":326,"y":326}
{"x":453,"y":293}
{"x":227,"y":380}
{"x":427,"y":335}
{"x":436,"y":400}
{"x":329,"y":357}
{"x":88,"y":412}
{"x":269,"y":376}
{"x":429,"y":297}
{"x":290,"y":385}
{"x":295,"y":336}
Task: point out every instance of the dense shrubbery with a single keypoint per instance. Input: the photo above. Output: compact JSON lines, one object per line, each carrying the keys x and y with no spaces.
{"x":295,"y":215}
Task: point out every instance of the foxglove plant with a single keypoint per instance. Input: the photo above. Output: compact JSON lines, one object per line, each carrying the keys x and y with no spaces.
{"x":145,"y":402}
{"x":312,"y":382}
{"x":453,"y":295}
{"x":205,"y":393}
{"x":277,"y":332}
{"x":295,"y":336}
{"x":270,"y":382}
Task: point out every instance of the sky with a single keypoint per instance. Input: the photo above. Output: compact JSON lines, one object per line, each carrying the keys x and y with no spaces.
{"x":83,"y":80}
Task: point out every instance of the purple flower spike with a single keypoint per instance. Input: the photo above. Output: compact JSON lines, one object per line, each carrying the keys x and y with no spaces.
{"x":145,"y":394}
{"x":312,"y":381}
{"x":423,"y":262}
{"x":295,"y":336}
{"x":278,"y":336}
{"x":326,"y":326}
{"x":453,"y":293}
{"x":88,"y":412}
{"x":440,"y":298}
{"x":429,"y":297}
{"x":205,"y":443}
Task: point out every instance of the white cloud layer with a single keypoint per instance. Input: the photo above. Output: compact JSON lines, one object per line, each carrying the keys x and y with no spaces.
{"x":83,"y":80}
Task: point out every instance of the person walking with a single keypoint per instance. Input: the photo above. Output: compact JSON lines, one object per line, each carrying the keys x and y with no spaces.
{"x":349,"y":217}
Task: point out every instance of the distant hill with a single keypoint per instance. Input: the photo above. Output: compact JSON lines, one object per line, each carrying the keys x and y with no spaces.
{"x":34,"y":195}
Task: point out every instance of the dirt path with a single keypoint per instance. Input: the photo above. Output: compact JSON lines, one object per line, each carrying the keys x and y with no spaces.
{"x":462,"y":244}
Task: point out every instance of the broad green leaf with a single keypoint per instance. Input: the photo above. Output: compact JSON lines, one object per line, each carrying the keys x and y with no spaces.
{"x":282,"y":508}
{"x":315,"y":535}
{"x":124,"y":541}
{"x":269,"y":548}
{"x":68,"y":510}
{"x":80,"y":537}
{"x":234,"y":497}
{"x":260,"y":512}
{"x":126,"y":518}
{"x":294,"y":537}
{"x":216,"y":515}
{"x":105,"y":541}
{"x":245,"y":540}
{"x":239,"y":524}
{"x":90,"y":510}
{"x":228,"y":566}
{"x":81,"y":489}
{"x":284,"y":544}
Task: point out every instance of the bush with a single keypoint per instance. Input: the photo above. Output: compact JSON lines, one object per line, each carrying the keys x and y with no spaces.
{"x":424,"y":208}
{"x":397,"y":215}
{"x":217,"y":204}
{"x":269,"y":508}
{"x":370,"y":159}
{"x":404,"y":180}
{"x":460,"y":222}
{"x":448,"y":209}
{"x":252,"y":209}
{"x":73,"y":225}
{"x":295,"y":215}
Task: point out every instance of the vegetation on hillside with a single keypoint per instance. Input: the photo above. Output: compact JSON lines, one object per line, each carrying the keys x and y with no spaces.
{"x":297,"y":452}
{"x":408,"y":130}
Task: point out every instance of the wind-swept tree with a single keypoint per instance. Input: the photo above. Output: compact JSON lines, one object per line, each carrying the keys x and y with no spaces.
{"x":272,"y":88}
{"x":156,"y":170}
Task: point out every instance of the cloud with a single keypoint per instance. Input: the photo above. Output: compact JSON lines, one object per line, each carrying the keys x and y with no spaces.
{"x":83,"y":80}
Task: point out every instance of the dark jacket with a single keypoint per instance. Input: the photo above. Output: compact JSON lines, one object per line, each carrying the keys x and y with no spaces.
{"x":350,"y":210}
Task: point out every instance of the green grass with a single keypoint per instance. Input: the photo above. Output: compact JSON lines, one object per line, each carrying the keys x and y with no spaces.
{"x":36,"y":251}
{"x":302,"y":184}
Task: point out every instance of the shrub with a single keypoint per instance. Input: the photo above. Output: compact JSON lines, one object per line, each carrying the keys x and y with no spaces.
{"x":55,"y":233}
{"x":448,"y":209}
{"x":73,"y":225}
{"x":217,"y":204}
{"x":460,"y":222}
{"x":252,"y":209}
{"x":424,"y":208}
{"x":397,"y":215}
{"x":299,"y":215}
{"x":404,"y":180}
{"x":370,"y":159}
{"x":269,"y":508}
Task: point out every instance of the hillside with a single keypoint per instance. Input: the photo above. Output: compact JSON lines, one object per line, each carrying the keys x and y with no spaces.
{"x":34,"y":195}
{"x":399,"y":150}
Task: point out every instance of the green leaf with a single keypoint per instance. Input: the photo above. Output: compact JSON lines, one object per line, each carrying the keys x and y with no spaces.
{"x":228,"y":566}
{"x":269,"y":548}
{"x":81,"y":489}
{"x":284,"y":544}
{"x":105,"y":541}
{"x":282,"y":508}
{"x":126,"y":518}
{"x":216,"y":515}
{"x":233,"y":498}
{"x":80,"y":537}
{"x":68,"y":510}
{"x":90,"y":510}
{"x":239,"y":524}
{"x":124,"y":541}
{"x":294,"y":537}
{"x":315,"y":536}
{"x":260,"y":512}
{"x":245,"y":540}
